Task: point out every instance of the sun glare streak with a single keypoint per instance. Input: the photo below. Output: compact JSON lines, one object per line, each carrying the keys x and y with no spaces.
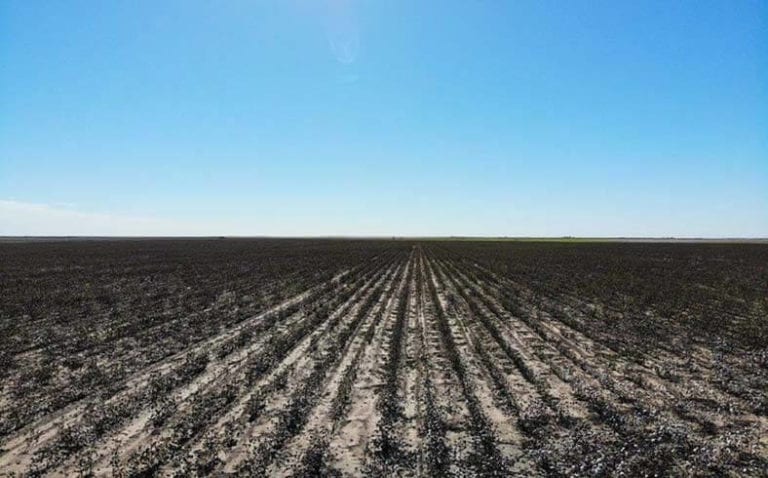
{"x":342,"y":31}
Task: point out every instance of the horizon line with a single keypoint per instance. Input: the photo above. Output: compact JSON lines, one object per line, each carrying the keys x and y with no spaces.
{"x":402,"y":237}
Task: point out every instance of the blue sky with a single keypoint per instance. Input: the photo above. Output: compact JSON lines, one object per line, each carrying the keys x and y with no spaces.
{"x":551,"y":118}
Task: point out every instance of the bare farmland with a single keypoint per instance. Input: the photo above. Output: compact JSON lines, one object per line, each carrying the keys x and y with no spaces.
{"x":383,"y":358}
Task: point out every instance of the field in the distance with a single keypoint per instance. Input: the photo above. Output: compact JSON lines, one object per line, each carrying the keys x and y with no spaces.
{"x":264,"y":357}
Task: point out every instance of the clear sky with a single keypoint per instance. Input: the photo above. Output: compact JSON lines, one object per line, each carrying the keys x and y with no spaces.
{"x":584,"y":118}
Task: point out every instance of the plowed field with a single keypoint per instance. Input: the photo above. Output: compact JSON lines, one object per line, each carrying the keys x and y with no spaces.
{"x":383,"y":358}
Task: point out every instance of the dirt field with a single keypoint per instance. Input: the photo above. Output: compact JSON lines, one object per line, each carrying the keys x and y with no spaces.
{"x":286,"y":358}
